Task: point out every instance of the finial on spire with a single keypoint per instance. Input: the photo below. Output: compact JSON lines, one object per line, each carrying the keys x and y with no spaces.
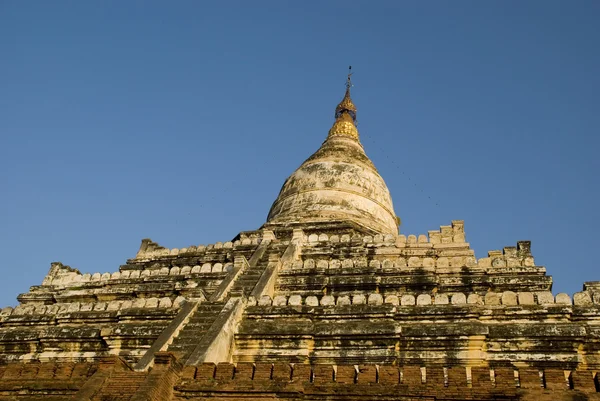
{"x":346,"y":105}
{"x":349,"y":80}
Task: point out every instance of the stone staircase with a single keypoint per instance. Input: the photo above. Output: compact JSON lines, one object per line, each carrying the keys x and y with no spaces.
{"x":197,"y":325}
{"x":247,"y":281}
{"x":120,"y":386}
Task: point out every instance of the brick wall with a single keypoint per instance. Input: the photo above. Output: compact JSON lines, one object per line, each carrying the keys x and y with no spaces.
{"x":167,"y":380}
{"x":247,"y":380}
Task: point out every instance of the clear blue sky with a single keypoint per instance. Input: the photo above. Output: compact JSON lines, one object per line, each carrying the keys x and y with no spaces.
{"x":179,"y":121}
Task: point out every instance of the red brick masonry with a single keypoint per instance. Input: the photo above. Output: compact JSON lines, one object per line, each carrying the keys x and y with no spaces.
{"x":113,"y":380}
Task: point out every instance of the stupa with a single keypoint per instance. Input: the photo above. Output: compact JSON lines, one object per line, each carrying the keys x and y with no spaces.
{"x":327,"y":300}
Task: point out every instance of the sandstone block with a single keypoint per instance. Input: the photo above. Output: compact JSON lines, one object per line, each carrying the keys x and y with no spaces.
{"x":435,"y":237}
{"x":414,"y":261}
{"x":137,"y":303}
{"x":40,"y":309}
{"x":458,"y":299}
{"x":361,"y":262}
{"x":335,"y":264}
{"x":327,"y":300}
{"x":407,"y":299}
{"x":178,"y":301}
{"x":311,"y":300}
{"x":563,"y":298}
{"x":544,"y":297}
{"x":526,"y":298}
{"x":378,"y":239}
{"x":484,"y":262}
{"x":280,"y":300}
{"x":165,"y":302}
{"x":458,"y":238}
{"x":474,"y":299}
{"x":424,"y":299}
{"x":127,"y":304}
{"x":401,"y":241}
{"x":442,"y":262}
{"x":265,"y":300}
{"x":400,"y":263}
{"x":295,"y":300}
{"x":582,"y":298}
{"x":375,"y":264}
{"x":498,"y":262}
{"x":492,"y":298}
{"x":513,"y":262}
{"x":428,"y":263}
{"x":343,"y":300}
{"x":392,"y":299}
{"x":359,"y":299}
{"x":509,"y":298}
{"x":309,"y":264}
{"x":114,"y":305}
{"x":375,"y":299}
{"x":347,"y":263}
{"x":441,"y":299}
{"x":322,"y":264}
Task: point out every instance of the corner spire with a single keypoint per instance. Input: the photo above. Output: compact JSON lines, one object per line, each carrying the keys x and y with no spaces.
{"x":345,"y":114}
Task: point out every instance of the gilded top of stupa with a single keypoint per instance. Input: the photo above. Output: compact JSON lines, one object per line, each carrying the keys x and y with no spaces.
{"x":338,"y":182}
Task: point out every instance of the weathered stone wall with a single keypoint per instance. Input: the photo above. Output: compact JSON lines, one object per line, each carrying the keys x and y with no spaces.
{"x":328,"y":296}
{"x":112,"y":379}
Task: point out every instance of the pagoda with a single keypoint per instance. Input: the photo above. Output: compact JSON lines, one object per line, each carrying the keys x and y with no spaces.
{"x":327,"y":300}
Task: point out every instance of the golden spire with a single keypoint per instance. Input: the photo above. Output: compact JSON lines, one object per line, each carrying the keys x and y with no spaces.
{"x":345,"y":114}
{"x":346,"y":105}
